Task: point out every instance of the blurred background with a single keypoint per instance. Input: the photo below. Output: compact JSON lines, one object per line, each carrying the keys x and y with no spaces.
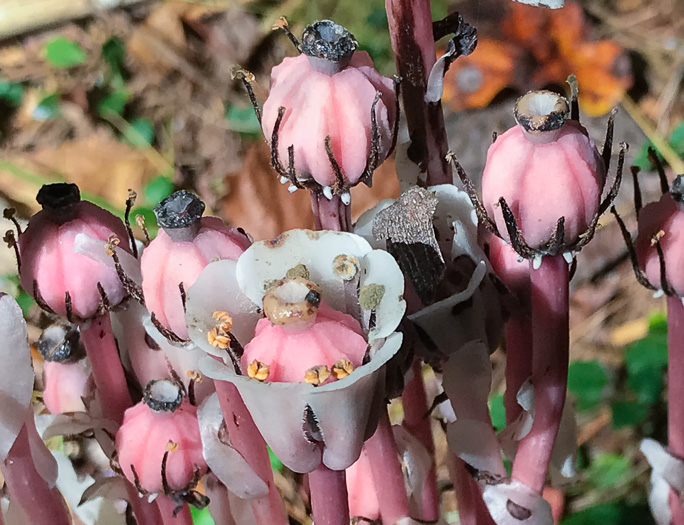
{"x":122,"y":94}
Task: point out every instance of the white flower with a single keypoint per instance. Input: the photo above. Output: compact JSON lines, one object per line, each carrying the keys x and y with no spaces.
{"x":667,"y":475}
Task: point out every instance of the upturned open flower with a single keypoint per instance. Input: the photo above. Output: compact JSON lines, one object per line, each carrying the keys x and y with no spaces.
{"x":332,"y":304}
{"x":661,"y":229}
{"x":330,"y":115}
{"x":158,"y":446}
{"x":185,"y":244}
{"x":544,"y":177}
{"x":60,"y":279}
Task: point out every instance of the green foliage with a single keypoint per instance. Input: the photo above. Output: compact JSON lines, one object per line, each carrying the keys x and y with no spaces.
{"x":11,"y":92}
{"x":10,"y":283}
{"x":61,"y":52}
{"x":497,"y":411}
{"x":48,"y":108}
{"x":158,"y":189}
{"x":114,"y":102}
{"x":607,"y":470}
{"x":243,"y":120}
{"x":201,"y":517}
{"x":676,"y":141}
{"x":587,"y":380}
{"x":615,"y":513}
{"x":140,"y":132}
{"x":276,"y":464}
{"x":627,"y":413}
{"x":646,"y":361}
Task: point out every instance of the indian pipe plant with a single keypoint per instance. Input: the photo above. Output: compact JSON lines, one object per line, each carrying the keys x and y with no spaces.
{"x":191,"y":359}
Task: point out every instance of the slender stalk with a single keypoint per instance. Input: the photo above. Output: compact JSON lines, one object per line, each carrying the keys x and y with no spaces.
{"x":471,"y":507}
{"x":246,"y":439}
{"x":518,"y":361}
{"x":108,"y":372}
{"x":675,"y":391}
{"x":387,"y":473}
{"x":550,"y":343}
{"x":410,"y":24}
{"x":329,"y":498}
{"x":166,"y":508}
{"x":27,"y":488}
{"x":417,"y":421}
{"x":145,"y":513}
{"x":330,"y":214}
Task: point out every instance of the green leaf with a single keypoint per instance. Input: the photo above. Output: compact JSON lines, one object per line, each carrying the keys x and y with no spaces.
{"x":114,"y":53}
{"x":616,"y":513}
{"x":646,"y":361}
{"x":11,"y":92}
{"x":201,"y":517}
{"x":114,"y":102}
{"x":158,"y":189}
{"x":377,"y":19}
{"x":647,"y":384}
{"x":243,"y":120}
{"x":586,"y":380}
{"x":47,"y":108}
{"x":150,"y":219}
{"x":677,"y":139}
{"x":641,"y":158}
{"x":627,"y":413}
{"x":276,"y":464}
{"x":497,"y":411}
{"x":607,"y":470}
{"x":61,"y":52}
{"x":140,"y":133}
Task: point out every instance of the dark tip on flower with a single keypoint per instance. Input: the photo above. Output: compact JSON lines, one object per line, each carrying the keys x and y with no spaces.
{"x":58,"y":195}
{"x":61,"y":343}
{"x":313,"y":298}
{"x":163,"y":395}
{"x":181,"y":209}
{"x":677,"y":188}
{"x":540,"y":111}
{"x":328,"y":40}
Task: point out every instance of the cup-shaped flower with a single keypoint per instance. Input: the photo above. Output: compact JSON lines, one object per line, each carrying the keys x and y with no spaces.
{"x":60,"y":279}
{"x":185,"y":244}
{"x":357,"y":294}
{"x":329,"y":112}
{"x":544,"y":168}
{"x":158,"y":446}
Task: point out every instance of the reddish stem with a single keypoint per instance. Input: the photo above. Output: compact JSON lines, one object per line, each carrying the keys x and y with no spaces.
{"x":551,"y":345}
{"x":166,"y":508}
{"x":145,"y":513}
{"x":471,"y":507}
{"x":417,"y":422}
{"x":675,"y":391}
{"x":387,"y":474}
{"x":246,"y":439}
{"x":329,"y":498}
{"x":108,"y":372}
{"x":27,"y":488}
{"x":410,"y":24}
{"x":330,"y":214}
{"x":518,"y":361}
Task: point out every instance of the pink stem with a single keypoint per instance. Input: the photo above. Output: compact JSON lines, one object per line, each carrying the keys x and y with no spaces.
{"x":145,"y":513}
{"x":410,"y":24}
{"x":417,"y":421}
{"x":471,"y":507}
{"x":246,"y":439}
{"x":27,"y":488}
{"x":675,"y":391}
{"x":387,"y":474}
{"x":551,"y":345}
{"x":518,"y":361}
{"x":329,"y":498}
{"x":330,"y":214}
{"x":166,"y":508}
{"x":108,"y":372}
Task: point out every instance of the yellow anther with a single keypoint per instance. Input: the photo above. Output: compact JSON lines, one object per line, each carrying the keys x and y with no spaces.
{"x":258,"y":370}
{"x":342,"y":368}
{"x":217,"y":339}
{"x":317,"y":375}
{"x":225,"y":320}
{"x":171,"y":446}
{"x":194,"y":375}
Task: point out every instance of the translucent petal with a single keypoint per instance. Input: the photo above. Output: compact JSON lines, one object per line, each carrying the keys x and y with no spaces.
{"x":513,"y":503}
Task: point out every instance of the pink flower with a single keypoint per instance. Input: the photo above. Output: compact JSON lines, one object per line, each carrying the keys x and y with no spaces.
{"x":185,"y":244}
{"x":161,"y":433}
{"x":70,"y":284}
{"x":545,"y":168}
{"x":330,"y":91}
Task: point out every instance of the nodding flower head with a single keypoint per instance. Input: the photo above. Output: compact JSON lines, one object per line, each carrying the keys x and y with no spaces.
{"x":661,"y":229}
{"x":544,"y":168}
{"x":60,"y":279}
{"x":329,"y":113}
{"x":185,"y":244}
{"x":158,"y":446}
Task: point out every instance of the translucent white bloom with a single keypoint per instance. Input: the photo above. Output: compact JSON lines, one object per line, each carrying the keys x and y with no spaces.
{"x":667,"y":474}
{"x":514,"y":503}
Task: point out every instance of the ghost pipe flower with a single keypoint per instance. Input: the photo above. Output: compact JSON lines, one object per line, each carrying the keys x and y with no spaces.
{"x":657,"y":258}
{"x":307,"y":426}
{"x":552,"y":219}
{"x":185,"y":244}
{"x":159,"y":449}
{"x":28,"y":467}
{"x":330,"y":119}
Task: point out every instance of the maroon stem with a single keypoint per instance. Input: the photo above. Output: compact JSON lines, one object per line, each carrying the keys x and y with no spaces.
{"x":417,"y":422}
{"x":387,"y":473}
{"x":675,"y":391}
{"x":471,"y":507}
{"x":166,"y":508}
{"x":246,"y":439}
{"x":27,"y":488}
{"x":551,"y":345}
{"x":518,"y":361}
{"x":330,"y":214}
{"x":108,"y":371}
{"x":329,"y":498}
{"x":146,"y":513}
{"x":410,"y":24}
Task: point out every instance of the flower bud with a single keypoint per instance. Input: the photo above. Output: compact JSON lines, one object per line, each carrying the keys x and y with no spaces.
{"x":70,"y":284}
{"x":545,"y":168}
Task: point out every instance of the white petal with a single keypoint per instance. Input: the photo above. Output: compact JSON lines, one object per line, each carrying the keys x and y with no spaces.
{"x":327,"y":191}
{"x":364,"y":225}
{"x":664,"y":464}
{"x":346,"y":198}
{"x":513,"y":496}
{"x":475,"y":442}
{"x":223,"y":460}
{"x":95,"y":249}
{"x":70,"y":424}
{"x":552,"y":4}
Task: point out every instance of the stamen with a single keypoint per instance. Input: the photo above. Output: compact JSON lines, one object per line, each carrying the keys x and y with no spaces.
{"x":342,"y":368}
{"x":258,"y":370}
{"x":317,"y":375}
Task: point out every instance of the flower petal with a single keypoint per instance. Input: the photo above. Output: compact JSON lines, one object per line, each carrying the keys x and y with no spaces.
{"x":514,"y":503}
